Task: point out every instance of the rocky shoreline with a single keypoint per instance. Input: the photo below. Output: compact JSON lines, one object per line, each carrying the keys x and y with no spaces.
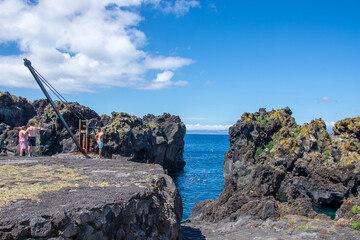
{"x":277,"y":175}
{"x":250,"y":227}
{"x":86,"y":198}
{"x":276,"y":169}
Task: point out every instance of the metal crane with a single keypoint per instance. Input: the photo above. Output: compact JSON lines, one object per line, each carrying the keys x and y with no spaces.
{"x":85,"y":126}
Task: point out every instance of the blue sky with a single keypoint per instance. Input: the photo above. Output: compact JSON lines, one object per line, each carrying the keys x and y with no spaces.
{"x":206,"y":61}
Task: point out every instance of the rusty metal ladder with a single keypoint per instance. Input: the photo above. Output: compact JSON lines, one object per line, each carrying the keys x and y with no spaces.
{"x":84,"y":135}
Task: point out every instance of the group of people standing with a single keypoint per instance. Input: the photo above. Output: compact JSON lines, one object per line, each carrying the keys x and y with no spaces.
{"x":27,"y":139}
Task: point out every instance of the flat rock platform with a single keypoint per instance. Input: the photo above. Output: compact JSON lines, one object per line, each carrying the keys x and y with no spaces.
{"x":73,"y":197}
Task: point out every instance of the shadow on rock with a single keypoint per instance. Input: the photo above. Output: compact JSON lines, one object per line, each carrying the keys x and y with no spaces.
{"x":190,"y":233}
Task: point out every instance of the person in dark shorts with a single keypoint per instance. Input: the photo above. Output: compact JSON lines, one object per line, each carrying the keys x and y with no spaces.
{"x":31,"y":131}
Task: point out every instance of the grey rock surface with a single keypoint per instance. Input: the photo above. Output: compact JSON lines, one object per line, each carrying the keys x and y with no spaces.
{"x":250,"y":228}
{"x":111,"y":199}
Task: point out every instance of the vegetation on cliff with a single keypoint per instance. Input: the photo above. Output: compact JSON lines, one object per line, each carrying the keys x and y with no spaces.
{"x":278,"y":136}
{"x":275,"y":167}
{"x":152,"y":139}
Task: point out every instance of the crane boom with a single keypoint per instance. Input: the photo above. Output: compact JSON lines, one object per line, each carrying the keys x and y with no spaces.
{"x":27,"y":64}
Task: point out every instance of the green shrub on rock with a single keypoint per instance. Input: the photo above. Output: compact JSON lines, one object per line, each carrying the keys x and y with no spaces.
{"x":258,"y":151}
{"x":355,"y":209}
{"x":356,"y":225}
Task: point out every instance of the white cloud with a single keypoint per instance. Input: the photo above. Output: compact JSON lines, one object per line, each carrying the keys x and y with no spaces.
{"x":326,"y":100}
{"x":181,"y":7}
{"x":206,"y":127}
{"x":83,"y":45}
{"x":177,"y":7}
{"x":161,"y":62}
{"x":164,"y":77}
{"x":330,"y":125}
{"x":163,"y":80}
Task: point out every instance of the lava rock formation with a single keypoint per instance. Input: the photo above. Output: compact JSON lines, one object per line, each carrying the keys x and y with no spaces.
{"x":275,"y":168}
{"x":153,"y":139}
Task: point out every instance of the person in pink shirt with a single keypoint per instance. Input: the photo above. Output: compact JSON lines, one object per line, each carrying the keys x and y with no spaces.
{"x":22,"y":141}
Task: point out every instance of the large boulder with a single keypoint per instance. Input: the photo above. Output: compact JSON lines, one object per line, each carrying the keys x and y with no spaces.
{"x":151,"y":139}
{"x":275,"y":167}
{"x":15,"y":111}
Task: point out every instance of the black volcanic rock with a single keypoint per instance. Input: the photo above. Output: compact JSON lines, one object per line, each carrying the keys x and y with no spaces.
{"x":153,"y":139}
{"x":275,"y":167}
{"x":15,"y":111}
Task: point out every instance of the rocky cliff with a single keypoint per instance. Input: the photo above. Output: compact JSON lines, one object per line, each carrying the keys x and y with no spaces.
{"x":275,"y":168}
{"x":153,"y":139}
{"x":15,"y":111}
{"x":72,"y":197}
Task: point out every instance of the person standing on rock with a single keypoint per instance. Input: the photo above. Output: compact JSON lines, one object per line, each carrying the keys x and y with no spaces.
{"x":22,"y":141}
{"x":31,"y":131}
{"x":27,"y":139}
{"x":100,"y":141}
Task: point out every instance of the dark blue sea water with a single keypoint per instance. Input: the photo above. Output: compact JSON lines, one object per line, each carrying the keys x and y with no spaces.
{"x":202,"y":177}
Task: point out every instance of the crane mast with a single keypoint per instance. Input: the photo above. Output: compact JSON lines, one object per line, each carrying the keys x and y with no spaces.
{"x":27,"y":64}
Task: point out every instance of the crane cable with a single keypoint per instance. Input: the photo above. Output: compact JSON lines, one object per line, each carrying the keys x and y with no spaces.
{"x":56,"y":93}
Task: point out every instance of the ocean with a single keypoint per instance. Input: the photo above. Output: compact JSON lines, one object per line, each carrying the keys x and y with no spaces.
{"x":202,"y":177}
